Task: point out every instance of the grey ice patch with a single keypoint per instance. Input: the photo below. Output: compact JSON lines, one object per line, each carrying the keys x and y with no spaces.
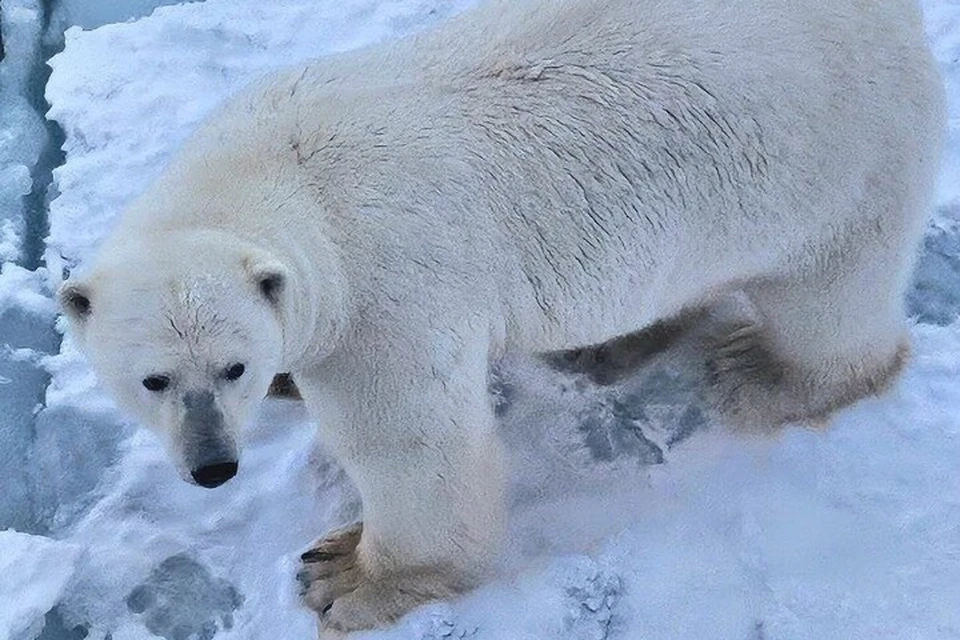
{"x":641,"y":391}
{"x":501,"y":390}
{"x":612,"y":430}
{"x":20,"y":397}
{"x":666,"y":402}
{"x":591,"y":594}
{"x":181,"y":600}
{"x":650,"y":415}
{"x":55,"y":627}
{"x":935,"y":295}
{"x":72,"y":450}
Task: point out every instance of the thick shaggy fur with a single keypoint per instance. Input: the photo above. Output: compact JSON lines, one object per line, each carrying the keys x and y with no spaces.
{"x":536,"y":175}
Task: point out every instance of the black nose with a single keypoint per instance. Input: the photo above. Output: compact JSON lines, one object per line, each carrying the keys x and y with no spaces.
{"x":214,"y":475}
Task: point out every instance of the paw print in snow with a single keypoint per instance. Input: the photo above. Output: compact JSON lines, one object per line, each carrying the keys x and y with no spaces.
{"x":181,"y":600}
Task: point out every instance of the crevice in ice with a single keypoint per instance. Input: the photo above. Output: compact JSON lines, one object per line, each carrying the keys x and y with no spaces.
{"x":26,"y":326}
{"x":36,"y":218}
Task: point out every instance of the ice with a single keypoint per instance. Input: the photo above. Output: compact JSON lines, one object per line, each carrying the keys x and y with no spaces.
{"x":935,"y":297}
{"x":15,"y":183}
{"x":33,"y":574}
{"x":51,"y":459}
{"x":842,"y":534}
{"x":89,"y":14}
{"x":22,"y":137}
{"x":26,"y":311}
{"x":631,"y":516}
{"x":22,"y":132}
{"x":24,"y":308}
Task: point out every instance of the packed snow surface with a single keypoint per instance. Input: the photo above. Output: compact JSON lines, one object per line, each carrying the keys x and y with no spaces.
{"x":33,"y":573}
{"x":632,"y":517}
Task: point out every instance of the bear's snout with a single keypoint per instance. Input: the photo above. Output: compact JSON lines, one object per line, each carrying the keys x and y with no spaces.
{"x":210,"y":452}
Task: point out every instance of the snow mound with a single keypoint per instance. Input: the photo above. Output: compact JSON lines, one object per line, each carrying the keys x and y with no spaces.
{"x":33,"y":574}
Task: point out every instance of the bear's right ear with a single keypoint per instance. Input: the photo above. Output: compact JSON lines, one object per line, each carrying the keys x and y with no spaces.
{"x":75,"y":300}
{"x":270,"y":279}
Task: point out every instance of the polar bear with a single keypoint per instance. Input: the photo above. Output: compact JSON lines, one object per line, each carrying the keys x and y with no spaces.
{"x":533,"y":175}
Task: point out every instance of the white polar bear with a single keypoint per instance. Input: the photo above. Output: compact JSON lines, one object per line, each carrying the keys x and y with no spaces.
{"x":535,"y":175}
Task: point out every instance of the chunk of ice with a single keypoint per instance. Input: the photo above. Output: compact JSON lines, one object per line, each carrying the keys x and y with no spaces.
{"x":33,"y":574}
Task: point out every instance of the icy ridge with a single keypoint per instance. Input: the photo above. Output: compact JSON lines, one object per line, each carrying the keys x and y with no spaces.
{"x":26,"y":311}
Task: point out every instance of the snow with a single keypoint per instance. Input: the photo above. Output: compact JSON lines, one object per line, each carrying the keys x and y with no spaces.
{"x":25,"y":289}
{"x":33,"y":573}
{"x":169,"y":556}
{"x":843,"y":534}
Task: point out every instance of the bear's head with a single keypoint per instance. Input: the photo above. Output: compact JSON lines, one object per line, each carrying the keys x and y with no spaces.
{"x":186,"y":331}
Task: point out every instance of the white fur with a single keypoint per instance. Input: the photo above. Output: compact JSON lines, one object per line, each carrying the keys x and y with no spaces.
{"x":534,"y":175}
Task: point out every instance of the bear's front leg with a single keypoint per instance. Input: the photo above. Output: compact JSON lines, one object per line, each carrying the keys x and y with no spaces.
{"x":410,"y":420}
{"x":330,"y":568}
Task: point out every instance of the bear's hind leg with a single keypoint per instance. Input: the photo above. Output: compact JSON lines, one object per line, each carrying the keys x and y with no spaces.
{"x":612,"y":361}
{"x":823,"y":340}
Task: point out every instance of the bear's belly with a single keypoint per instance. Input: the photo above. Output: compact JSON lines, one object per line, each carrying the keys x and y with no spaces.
{"x":562,"y":301}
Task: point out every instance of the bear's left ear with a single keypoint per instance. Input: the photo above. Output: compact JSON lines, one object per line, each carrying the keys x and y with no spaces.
{"x":270,"y":278}
{"x":74,"y":299}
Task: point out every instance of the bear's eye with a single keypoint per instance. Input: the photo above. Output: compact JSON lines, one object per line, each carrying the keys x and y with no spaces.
{"x":234,"y":371}
{"x":156,"y":383}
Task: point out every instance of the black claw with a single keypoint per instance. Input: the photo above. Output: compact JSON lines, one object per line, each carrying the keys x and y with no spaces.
{"x":315,"y":555}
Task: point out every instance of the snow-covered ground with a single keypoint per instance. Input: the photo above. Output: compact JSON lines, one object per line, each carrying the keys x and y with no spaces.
{"x":848,"y":534}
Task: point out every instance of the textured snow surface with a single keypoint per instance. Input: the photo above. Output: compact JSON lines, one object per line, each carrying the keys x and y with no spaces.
{"x":847,"y":534}
{"x":33,"y":573}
